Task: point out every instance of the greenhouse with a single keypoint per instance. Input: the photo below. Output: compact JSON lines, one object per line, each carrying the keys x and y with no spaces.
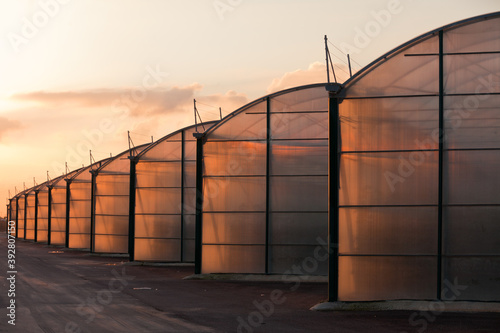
{"x":110,"y":205}
{"x":162,"y":198}
{"x":417,"y":204}
{"x":31,"y":198}
{"x":265,"y":199}
{"x":57,"y":216}
{"x":78,"y":199}
{"x":42,"y":212}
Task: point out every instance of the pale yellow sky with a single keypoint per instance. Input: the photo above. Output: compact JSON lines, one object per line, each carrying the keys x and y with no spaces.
{"x":77,"y":74}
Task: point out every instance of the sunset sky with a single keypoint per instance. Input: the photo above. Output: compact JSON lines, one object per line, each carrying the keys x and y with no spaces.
{"x":76,"y":75}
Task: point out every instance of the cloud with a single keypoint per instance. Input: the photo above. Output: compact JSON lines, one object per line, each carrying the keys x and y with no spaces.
{"x":8,"y":125}
{"x":316,"y":73}
{"x":134,"y":102}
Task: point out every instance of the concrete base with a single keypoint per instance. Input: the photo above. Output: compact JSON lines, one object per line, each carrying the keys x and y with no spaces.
{"x":256,"y":277}
{"x":433,"y":306}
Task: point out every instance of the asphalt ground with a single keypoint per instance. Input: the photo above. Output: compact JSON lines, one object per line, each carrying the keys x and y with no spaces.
{"x":62,"y":290}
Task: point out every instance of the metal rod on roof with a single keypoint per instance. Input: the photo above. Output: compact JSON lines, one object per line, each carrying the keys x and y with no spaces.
{"x":152,"y":139}
{"x":349,"y":63}
{"x":220,"y":112}
{"x":34,"y":181}
{"x":48,"y":177}
{"x":195,"y":119}
{"x":326,"y":58}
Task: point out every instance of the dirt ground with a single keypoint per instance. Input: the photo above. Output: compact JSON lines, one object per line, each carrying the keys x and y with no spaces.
{"x":60,"y":290}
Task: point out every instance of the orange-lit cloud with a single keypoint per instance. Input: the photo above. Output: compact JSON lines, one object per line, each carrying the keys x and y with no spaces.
{"x":8,"y":125}
{"x":316,"y":73}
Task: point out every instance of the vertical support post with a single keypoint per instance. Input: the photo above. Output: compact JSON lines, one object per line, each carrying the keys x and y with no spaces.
{"x":49,"y":214}
{"x":183,"y":151}
{"x":268,"y":169}
{"x":333,"y":197}
{"x":92,"y":210}
{"x":8,"y":218}
{"x":25,"y":215}
{"x":35,"y":238}
{"x":131,"y":211}
{"x":68,"y":212}
{"x":17,"y":217}
{"x":441,"y":156}
{"x":199,"y":203}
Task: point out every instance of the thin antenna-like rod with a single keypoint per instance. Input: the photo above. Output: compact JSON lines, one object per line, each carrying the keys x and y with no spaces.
{"x":326,"y":59}
{"x":34,"y":182}
{"x":220,"y":112}
{"x":67,"y":169}
{"x":195,"y":119}
{"x":349,"y":63}
{"x":333,"y":69}
{"x":48,"y":177}
{"x":152,"y":139}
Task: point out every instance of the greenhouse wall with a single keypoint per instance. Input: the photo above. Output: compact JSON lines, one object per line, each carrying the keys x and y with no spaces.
{"x":265,"y":173}
{"x":78,"y":195}
{"x":163,"y":198}
{"x":418,"y":213}
{"x":57,"y":228}
{"x":110,"y":218}
{"x":42,"y":216}
{"x":31,"y":198}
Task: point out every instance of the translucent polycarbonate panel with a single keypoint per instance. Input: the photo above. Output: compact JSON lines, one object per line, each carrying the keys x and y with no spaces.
{"x":188,"y":250}
{"x":42,"y":224}
{"x":299,"y":157}
{"x":394,"y":178}
{"x":389,"y":123}
{"x":234,"y":158}
{"x":58,"y":195}
{"x":476,"y":37}
{"x":233,"y":259}
{"x":387,"y":278}
{"x":111,"y":225}
{"x":112,"y":184}
{"x":158,"y":201}
{"x":190,"y":150}
{"x":79,"y":241}
{"x":234,"y":228}
{"x":112,"y":205}
{"x":310,"y":99}
{"x":472,"y":121}
{"x":30,"y":217}
{"x":471,"y":230}
{"x":471,"y":278}
{"x":158,"y":226}
{"x":388,"y":230}
{"x":189,"y":226}
{"x":298,"y":228}
{"x":158,"y":174}
{"x":189,"y":174}
{"x":42,"y":235}
{"x":157,"y":250}
{"x":471,"y":177}
{"x":57,"y":238}
{"x":79,"y":225}
{"x":298,"y":259}
{"x":167,"y":150}
{"x":299,"y":125}
{"x":299,"y":193}
{"x":235,"y":194}
{"x":249,"y":124}
{"x":80,"y":208}
{"x":405,"y":73}
{"x":43,"y":198}
{"x":472,"y":73}
{"x":58,"y":210}
{"x":80,"y":191}
{"x":111,"y":244}
{"x":189,"y":201}
{"x":57,"y":224}
{"x":30,"y":233}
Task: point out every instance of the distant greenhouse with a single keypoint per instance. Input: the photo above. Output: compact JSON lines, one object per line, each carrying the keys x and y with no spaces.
{"x":163,"y":198}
